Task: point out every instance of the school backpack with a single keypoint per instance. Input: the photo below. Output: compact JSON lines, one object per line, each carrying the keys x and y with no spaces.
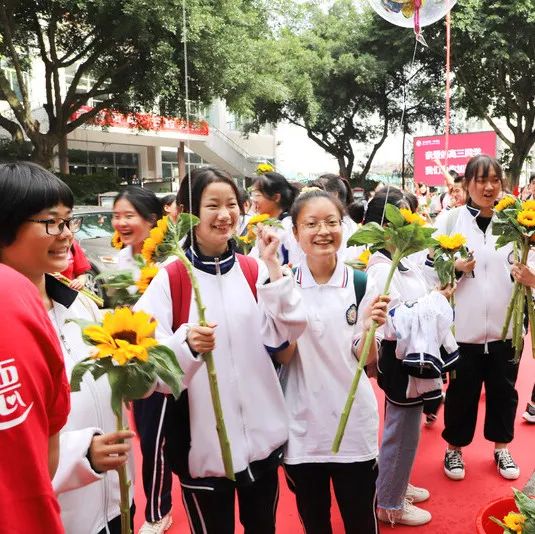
{"x":176,"y":423}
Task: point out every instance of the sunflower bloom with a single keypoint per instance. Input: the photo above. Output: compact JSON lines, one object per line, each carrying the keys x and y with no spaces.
{"x":504,"y":203}
{"x":411,"y":217}
{"x":528,"y":205}
{"x":452,"y":242}
{"x":255,"y":219}
{"x":146,"y":276}
{"x":116,"y":241}
{"x":148,"y":249}
{"x":163,"y":224}
{"x":514,"y":521}
{"x":526,"y":218}
{"x":364,"y":256}
{"x":123,"y":336}
{"x":264,"y":167}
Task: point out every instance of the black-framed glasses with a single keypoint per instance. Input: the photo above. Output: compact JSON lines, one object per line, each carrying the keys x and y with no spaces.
{"x":55,"y":226}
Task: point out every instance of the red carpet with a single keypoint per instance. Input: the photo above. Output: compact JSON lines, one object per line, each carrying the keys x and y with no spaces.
{"x":454,"y":505}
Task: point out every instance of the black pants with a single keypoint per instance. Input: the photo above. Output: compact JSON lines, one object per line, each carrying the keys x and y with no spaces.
{"x":354,"y":488}
{"x":212,"y":511}
{"x":149,"y":416}
{"x":498,"y":372}
{"x":533,"y":394}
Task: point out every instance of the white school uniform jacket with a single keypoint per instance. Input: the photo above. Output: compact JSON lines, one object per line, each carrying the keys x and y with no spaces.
{"x":318,"y":378}
{"x":88,"y":500}
{"x":481,"y":299}
{"x":251,"y":397}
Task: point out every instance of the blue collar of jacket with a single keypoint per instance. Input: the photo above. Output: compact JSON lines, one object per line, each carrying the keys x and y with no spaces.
{"x":209,"y":264}
{"x":474,"y":212}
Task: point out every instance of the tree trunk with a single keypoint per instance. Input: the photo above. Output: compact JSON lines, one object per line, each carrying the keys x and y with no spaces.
{"x":63,"y":154}
{"x":343,"y":169}
{"x":43,"y":151}
{"x":517,"y":161}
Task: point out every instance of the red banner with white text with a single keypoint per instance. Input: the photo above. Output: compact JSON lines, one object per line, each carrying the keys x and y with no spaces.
{"x":430,"y":154}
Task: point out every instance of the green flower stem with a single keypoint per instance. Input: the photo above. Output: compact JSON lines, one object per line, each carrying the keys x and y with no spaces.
{"x":370,"y":337}
{"x":510,"y":308}
{"x":124,"y":485}
{"x":452,"y":298}
{"x":531,"y":317}
{"x":224,"y":442}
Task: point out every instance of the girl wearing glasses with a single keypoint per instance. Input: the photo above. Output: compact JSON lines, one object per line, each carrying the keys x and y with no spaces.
{"x":135,"y":212}
{"x":319,"y":368}
{"x":35,"y":237}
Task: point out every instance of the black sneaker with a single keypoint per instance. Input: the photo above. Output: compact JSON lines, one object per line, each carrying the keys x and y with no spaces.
{"x":454,"y":465}
{"x":506,"y":465}
{"x":529,"y":414}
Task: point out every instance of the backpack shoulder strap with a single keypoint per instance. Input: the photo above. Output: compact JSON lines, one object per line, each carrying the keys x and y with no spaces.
{"x":249,"y":267}
{"x":359,"y":282}
{"x":180,"y":286}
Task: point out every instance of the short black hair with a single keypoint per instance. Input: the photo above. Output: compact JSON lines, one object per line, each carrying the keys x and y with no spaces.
{"x":333,"y":183}
{"x":307,"y":196}
{"x":26,"y":189}
{"x":145,"y":202}
{"x":200,"y":179}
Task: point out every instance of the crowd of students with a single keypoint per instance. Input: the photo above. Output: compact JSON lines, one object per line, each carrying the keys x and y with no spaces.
{"x":286,"y":327}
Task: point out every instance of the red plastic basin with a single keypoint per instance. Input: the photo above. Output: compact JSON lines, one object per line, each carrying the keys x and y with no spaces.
{"x":498,"y":508}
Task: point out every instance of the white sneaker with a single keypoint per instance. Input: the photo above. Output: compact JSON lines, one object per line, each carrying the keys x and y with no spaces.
{"x":454,"y":465}
{"x":506,"y":465}
{"x":158,"y":527}
{"x":409,"y":515}
{"x":415,"y":494}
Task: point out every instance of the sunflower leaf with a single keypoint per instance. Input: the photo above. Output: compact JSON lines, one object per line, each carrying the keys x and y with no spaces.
{"x":140,"y":378}
{"x":394,"y":216}
{"x":78,"y":372}
{"x":185,"y":224}
{"x":167,"y":368}
{"x":369,"y":234}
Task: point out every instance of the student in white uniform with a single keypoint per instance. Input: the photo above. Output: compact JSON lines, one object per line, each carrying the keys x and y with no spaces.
{"x":318,"y":374}
{"x":135,"y":212}
{"x":39,"y":208}
{"x":404,"y":404}
{"x":483,"y":293}
{"x":251,"y":397}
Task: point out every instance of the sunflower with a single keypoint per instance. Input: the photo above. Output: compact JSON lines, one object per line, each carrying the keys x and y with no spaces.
{"x":116,"y":241}
{"x":123,"y":336}
{"x":148,"y":249}
{"x":504,"y":203}
{"x":452,"y":242}
{"x":514,"y":521}
{"x":163,"y":224}
{"x":528,"y":205}
{"x":145,"y":277}
{"x":526,"y":218}
{"x":364,"y":256}
{"x":255,"y":219}
{"x":411,"y":217}
{"x":264,"y":167}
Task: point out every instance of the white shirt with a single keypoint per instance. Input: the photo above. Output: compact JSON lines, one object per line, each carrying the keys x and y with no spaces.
{"x":318,"y":378}
{"x":88,"y":500}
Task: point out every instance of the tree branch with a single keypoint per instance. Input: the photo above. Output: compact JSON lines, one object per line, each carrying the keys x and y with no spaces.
{"x":13,"y":128}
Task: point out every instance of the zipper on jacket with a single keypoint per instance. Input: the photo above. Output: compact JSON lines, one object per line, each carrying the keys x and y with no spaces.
{"x":486,"y":350}
{"x":240,"y":403}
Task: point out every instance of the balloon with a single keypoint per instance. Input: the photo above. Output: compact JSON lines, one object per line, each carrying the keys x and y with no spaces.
{"x":412,"y":13}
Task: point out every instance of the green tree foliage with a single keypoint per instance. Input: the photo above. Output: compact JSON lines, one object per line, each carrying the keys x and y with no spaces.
{"x":132,"y":52}
{"x":340,"y":75}
{"x":493,"y":58}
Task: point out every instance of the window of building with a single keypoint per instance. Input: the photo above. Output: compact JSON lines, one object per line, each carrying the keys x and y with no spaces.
{"x":85,"y":84}
{"x":123,"y":164}
{"x":170,"y":163}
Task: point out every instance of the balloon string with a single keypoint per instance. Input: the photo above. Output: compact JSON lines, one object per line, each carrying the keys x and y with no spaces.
{"x":186,"y":95}
{"x":448,"y":84}
{"x":402,"y":120}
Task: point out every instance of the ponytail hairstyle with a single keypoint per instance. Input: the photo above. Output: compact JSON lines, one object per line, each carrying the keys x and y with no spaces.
{"x":272,"y":183}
